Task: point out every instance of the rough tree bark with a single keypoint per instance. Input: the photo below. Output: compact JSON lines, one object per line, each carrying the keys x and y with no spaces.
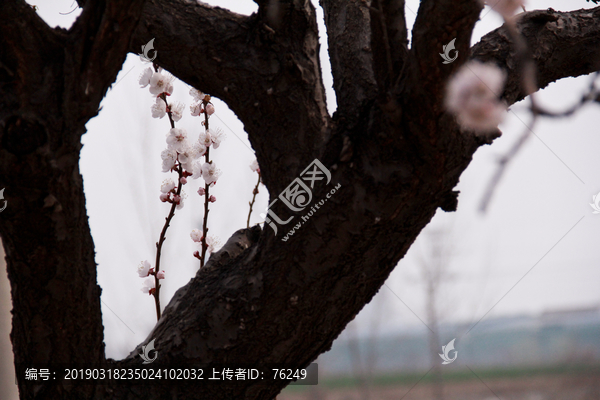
{"x":391,"y":146}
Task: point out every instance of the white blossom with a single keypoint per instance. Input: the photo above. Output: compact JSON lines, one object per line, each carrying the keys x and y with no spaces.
{"x":211,"y":243}
{"x":160,"y":274}
{"x":200,"y":148}
{"x":144,"y":269}
{"x":210,"y":173}
{"x":167,"y":185}
{"x":196,"y":170}
{"x":177,"y":139}
{"x":145,"y":77}
{"x":189,"y":154}
{"x":216,"y":136}
{"x":196,"y":109}
{"x":159,"y":109}
{"x":161,"y":82}
{"x":205,"y":138}
{"x":473,"y":96}
{"x":210,"y":109}
{"x":148,"y":284}
{"x":177,"y":111}
{"x":196,"y":235}
{"x":169,"y":157}
{"x":254,"y":166}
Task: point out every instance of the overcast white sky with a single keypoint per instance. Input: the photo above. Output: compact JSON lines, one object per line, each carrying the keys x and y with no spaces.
{"x":540,"y":215}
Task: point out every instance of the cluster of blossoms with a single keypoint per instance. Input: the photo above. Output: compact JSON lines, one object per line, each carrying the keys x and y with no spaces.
{"x":160,"y":81}
{"x":202,"y":107}
{"x":180,"y":150}
{"x":168,"y":192}
{"x":181,"y":156}
{"x":146,"y":271}
{"x":197,"y":237}
{"x":506,"y":8}
{"x":473,"y":95}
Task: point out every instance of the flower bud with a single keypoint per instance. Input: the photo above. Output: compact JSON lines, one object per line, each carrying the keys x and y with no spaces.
{"x":210,"y":109}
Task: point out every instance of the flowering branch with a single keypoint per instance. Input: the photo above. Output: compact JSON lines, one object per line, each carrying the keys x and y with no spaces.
{"x":209,"y":171}
{"x":178,"y":157}
{"x":205,"y":101}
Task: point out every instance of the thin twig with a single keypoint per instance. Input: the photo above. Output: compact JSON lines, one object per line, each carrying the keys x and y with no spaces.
{"x":503,"y":163}
{"x":162,"y":239}
{"x":254,"y":192}
{"x":589,"y":96}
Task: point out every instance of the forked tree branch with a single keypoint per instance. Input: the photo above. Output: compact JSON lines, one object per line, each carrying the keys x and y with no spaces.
{"x":563,"y":44}
{"x":437,"y":23}
{"x":252,"y":67}
{"x":528,"y":50}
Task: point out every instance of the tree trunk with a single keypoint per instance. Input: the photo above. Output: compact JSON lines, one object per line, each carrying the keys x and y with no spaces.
{"x":392,"y":150}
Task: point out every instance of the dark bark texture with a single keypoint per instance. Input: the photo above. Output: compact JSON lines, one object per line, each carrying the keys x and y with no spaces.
{"x":390,"y":146}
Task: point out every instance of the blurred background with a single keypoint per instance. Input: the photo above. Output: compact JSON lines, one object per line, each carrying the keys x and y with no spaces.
{"x":517,"y":288}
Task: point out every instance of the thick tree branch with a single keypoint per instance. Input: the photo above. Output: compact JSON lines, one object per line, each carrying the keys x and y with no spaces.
{"x":52,"y":82}
{"x":252,"y":67}
{"x":437,"y":23}
{"x":351,"y":55}
{"x":563,"y":44}
{"x":389,"y":41}
{"x":98,"y":46}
